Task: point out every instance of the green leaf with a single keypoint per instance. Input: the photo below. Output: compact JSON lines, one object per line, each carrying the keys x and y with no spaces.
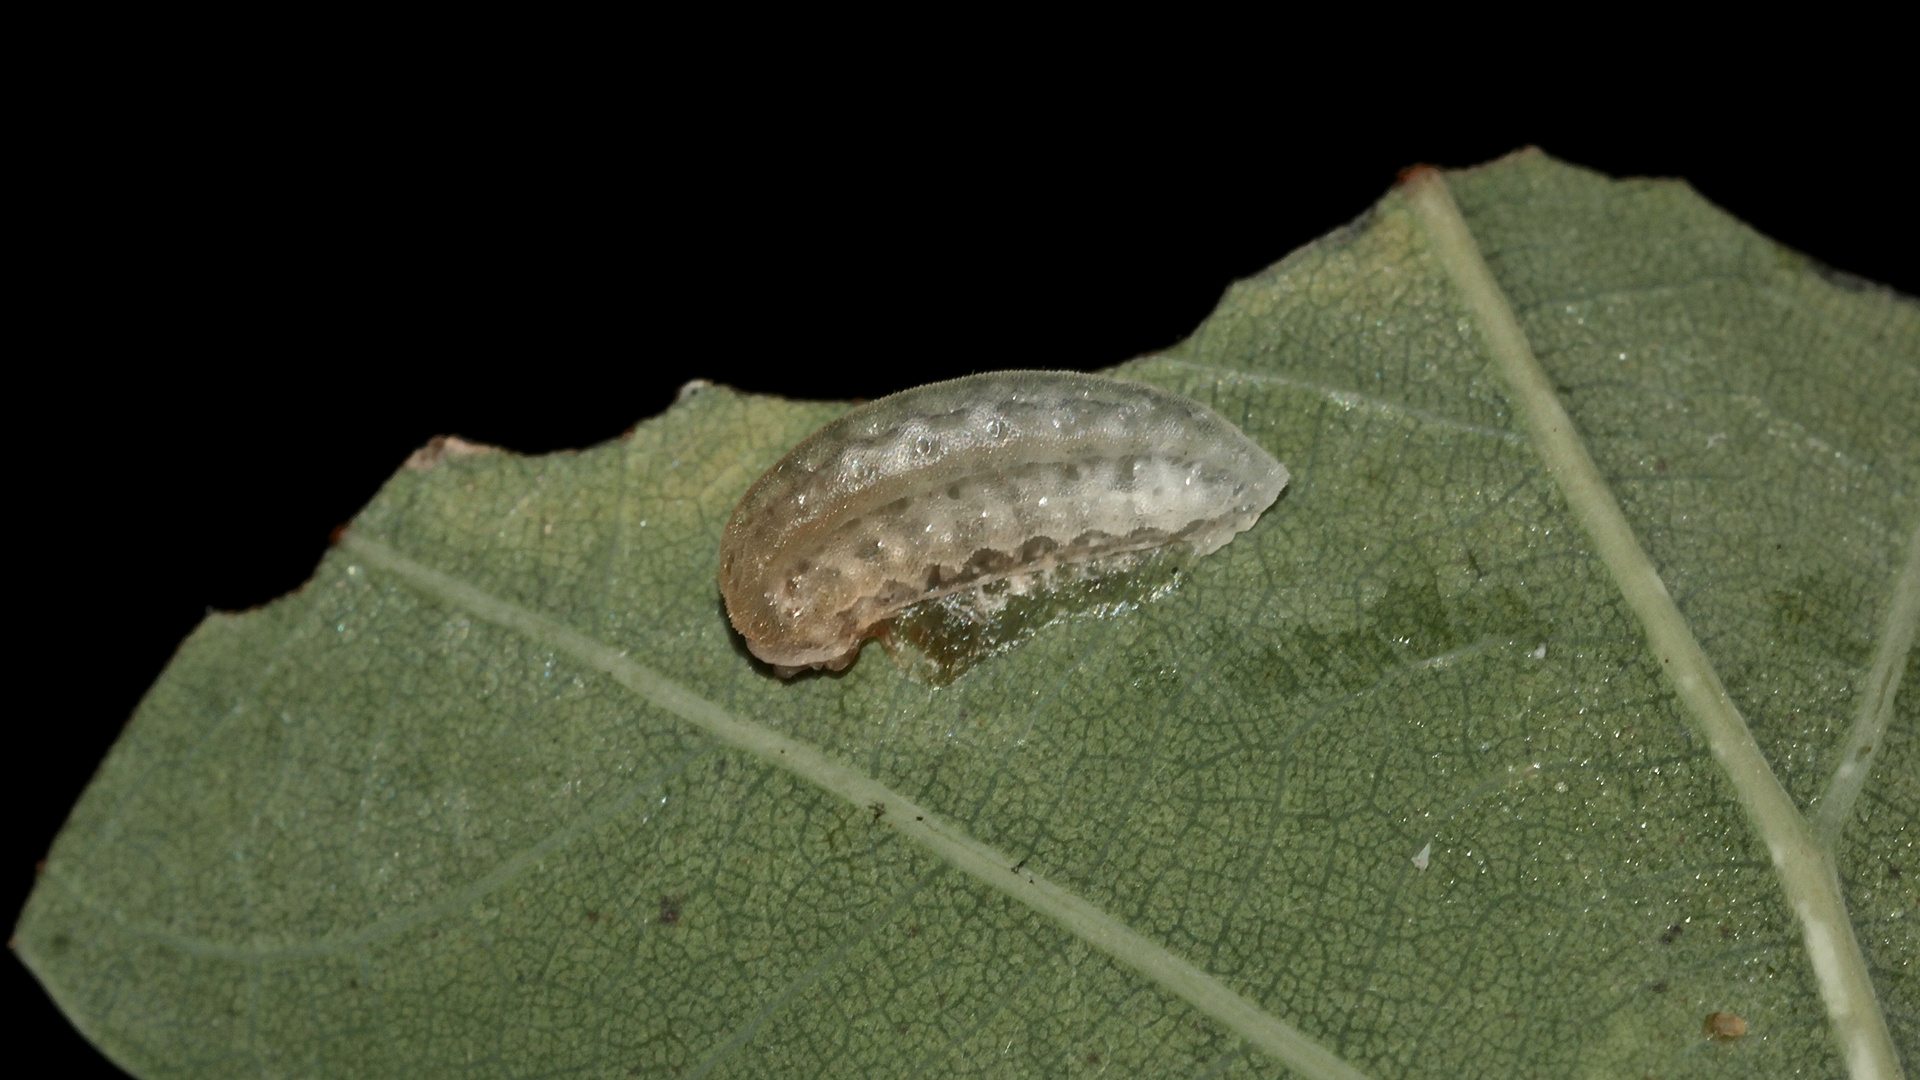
{"x":498,"y":793}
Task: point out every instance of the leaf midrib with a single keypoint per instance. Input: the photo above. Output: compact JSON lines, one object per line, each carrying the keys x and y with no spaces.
{"x":1804,"y":868}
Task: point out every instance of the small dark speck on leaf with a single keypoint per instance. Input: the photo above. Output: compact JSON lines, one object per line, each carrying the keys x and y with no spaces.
{"x":879,"y":809}
{"x":914,"y":930}
{"x":669,"y":910}
{"x":1660,"y":466}
{"x":1723,"y":1027}
{"x":1673,"y":932}
{"x":1658,"y":987}
{"x":1093,"y":1058}
{"x":593,"y":916}
{"x":1893,"y":871}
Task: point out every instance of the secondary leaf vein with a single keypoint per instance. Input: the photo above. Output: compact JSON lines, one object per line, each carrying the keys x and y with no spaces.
{"x":1803,"y":867}
{"x":1875,"y":710}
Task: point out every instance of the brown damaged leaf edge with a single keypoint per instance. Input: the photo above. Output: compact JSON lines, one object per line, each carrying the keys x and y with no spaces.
{"x":441,"y":447}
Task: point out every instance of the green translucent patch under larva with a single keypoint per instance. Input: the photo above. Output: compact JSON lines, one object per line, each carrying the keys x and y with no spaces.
{"x":937,"y":641}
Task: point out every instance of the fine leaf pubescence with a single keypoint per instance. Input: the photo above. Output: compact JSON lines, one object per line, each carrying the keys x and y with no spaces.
{"x":403,"y":823}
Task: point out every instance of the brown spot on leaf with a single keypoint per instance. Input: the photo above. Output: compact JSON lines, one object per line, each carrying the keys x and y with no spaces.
{"x":1723,"y":1027}
{"x":669,"y":910}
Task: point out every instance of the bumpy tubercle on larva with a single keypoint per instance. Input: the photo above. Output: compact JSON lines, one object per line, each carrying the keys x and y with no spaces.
{"x":959,"y":485}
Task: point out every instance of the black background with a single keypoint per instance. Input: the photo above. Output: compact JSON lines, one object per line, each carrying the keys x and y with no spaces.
{"x":242,"y":318}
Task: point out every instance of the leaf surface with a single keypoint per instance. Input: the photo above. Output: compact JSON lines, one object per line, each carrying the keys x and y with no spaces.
{"x":498,"y":793}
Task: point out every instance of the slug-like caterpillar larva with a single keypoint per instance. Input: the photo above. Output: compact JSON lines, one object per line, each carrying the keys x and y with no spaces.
{"x":957,"y":485}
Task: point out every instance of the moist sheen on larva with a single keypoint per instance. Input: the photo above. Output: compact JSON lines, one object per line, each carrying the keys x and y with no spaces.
{"x":956,"y":485}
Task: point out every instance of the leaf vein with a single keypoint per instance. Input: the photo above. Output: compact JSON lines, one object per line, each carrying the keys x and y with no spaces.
{"x":1803,"y":867}
{"x":1875,"y":709}
{"x":1101,"y":930}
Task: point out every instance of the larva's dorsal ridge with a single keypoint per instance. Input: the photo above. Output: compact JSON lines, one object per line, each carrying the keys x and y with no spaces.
{"x":960,"y":484}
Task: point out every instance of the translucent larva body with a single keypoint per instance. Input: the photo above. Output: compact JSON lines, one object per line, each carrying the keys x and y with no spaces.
{"x":956,"y":485}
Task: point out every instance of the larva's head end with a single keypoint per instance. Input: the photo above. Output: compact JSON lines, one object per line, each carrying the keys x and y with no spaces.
{"x":778,"y":638}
